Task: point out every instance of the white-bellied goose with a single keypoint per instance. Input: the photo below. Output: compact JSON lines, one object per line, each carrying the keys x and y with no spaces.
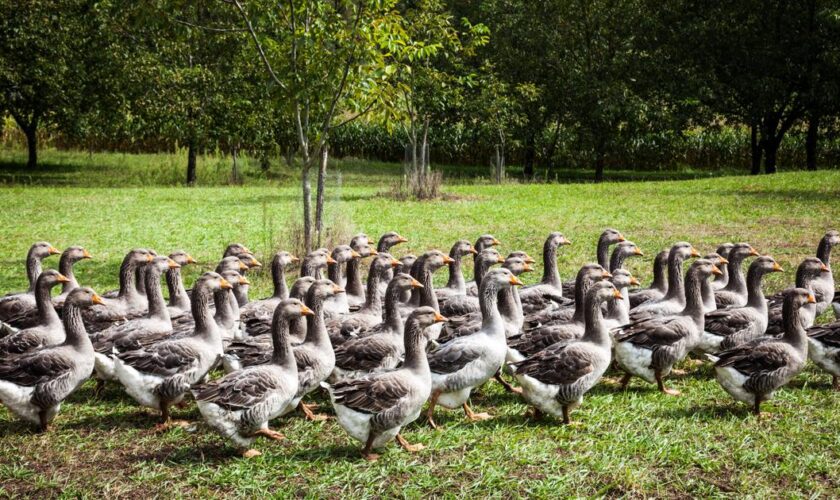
{"x":160,"y":375}
{"x":315,"y":262}
{"x":227,"y":307}
{"x":264,"y":308}
{"x":246,"y":256}
{"x":607,"y":238}
{"x":34,"y":384}
{"x":623,"y":250}
{"x":551,"y":329}
{"x":338,"y":305}
{"x":139,"y":282}
{"x":533,"y":296}
{"x":735,"y":291}
{"x":422,"y":270}
{"x":128,"y":304}
{"x":674,"y":300}
{"x":370,"y":314}
{"x":353,"y":286}
{"x":261,"y":327}
{"x":728,"y":327}
{"x":406,"y":263}
{"x":48,"y":329}
{"x":753,"y":371}
{"x":555,"y":379}
{"x":721,"y":281}
{"x":385,"y":243}
{"x":467,"y":362}
{"x":16,"y":304}
{"x":458,"y":305}
{"x":824,"y":350}
{"x":373,"y":409}
{"x":658,"y":288}
{"x":824,"y":285}
{"x":240,"y":404}
{"x":179,"y":299}
{"x":617,"y":312}
{"x":69,"y":257}
{"x":809,"y":270}
{"x":456,"y":285}
{"x":482,"y":243}
{"x":650,"y":347}
{"x":381,"y":347}
{"x":707,"y":289}
{"x":154,"y":326}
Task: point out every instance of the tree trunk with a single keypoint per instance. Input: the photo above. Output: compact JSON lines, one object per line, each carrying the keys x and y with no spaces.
{"x":811,"y":141}
{"x":307,"y":207}
{"x":234,"y":173}
{"x":319,"y":202}
{"x":191,"y":164}
{"x":755,"y":150}
{"x":599,"y":165}
{"x":32,"y":146}
{"x":424,"y":153}
{"x":530,"y":153}
{"x":771,"y":147}
{"x":265,"y":163}
{"x":498,"y":164}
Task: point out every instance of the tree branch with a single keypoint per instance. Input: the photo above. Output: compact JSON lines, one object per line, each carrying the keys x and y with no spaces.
{"x":257,"y":43}
{"x":208,"y":28}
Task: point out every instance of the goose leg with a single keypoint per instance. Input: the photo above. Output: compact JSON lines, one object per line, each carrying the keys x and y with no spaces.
{"x":270,"y":434}
{"x":310,"y":415}
{"x":508,"y":387}
{"x":625,"y":381}
{"x":757,"y":407}
{"x":566,"y":419}
{"x":99,"y":388}
{"x":430,"y":412}
{"x":251,"y":453}
{"x":407,"y":446}
{"x":534,"y":413}
{"x":44,"y":422}
{"x":661,"y":385}
{"x":835,"y":382}
{"x":367,"y":452}
{"x":475,"y":417}
{"x":165,"y":418}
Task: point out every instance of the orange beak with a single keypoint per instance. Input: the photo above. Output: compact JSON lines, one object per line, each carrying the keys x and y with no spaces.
{"x":149,"y":257}
{"x":528,"y":268}
{"x":753,"y":252}
{"x":190,"y":259}
{"x":225,"y":284}
{"x":305,"y":311}
{"x":565,"y":241}
{"x":694,"y":252}
{"x":529,"y":260}
{"x":634,"y":281}
{"x":172,"y":264}
{"x":500,"y":259}
{"x":811,"y":299}
{"x":242,"y":266}
{"x":86,"y":254}
{"x":416,"y":284}
{"x":395,"y":263}
{"x":54,"y":251}
{"x":473,"y":251}
{"x":330,"y":260}
{"x":777,"y":268}
{"x":447,"y":259}
{"x":723,"y":260}
{"x":824,"y":268}
{"x":338,"y":289}
{"x":496,"y":242}
{"x":606,"y":274}
{"x":621,"y":238}
{"x":293,"y":258}
{"x":255,"y":263}
{"x":440,"y":319}
{"x":638,"y":251}
{"x":62,"y":278}
{"x":356,"y":255}
{"x":716,"y":270}
{"x":401,"y":239}
{"x":373,"y":252}
{"x":515,"y":281}
{"x":618,"y":295}
{"x":96,"y":299}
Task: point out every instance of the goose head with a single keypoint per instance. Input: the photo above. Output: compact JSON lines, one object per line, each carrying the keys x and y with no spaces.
{"x":290,"y":309}
{"x":832,"y":237}
{"x":51,"y":278}
{"x":717,"y":258}
{"x":406,"y":261}
{"x":74,"y":254}
{"x":724,"y":248}
{"x":283,"y":259}
{"x":501,"y":278}
{"x":684,"y":250}
{"x":490,"y":256}
{"x":404,"y":282}
{"x":321,"y":290}
{"x":461,"y":248}
{"x":766,"y":264}
{"x":344,"y":253}
{"x":235,"y":250}
{"x":422,"y":318}
{"x":435,"y":259}
{"x":391,"y":239}
{"x":42,"y":250}
{"x":161,"y":263}
{"x":301,"y":286}
{"x":182,"y":258}
{"x":621,"y":278}
{"x":517,"y":265}
{"x":741,"y":251}
{"x":231,"y":263}
{"x":556,"y":239}
{"x":84,"y":297}
{"x":603,"y":291}
{"x":522,"y":255}
{"x":611,"y":236}
{"x":486,"y":241}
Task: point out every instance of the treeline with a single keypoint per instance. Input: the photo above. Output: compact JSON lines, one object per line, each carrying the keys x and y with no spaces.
{"x":591,"y":84}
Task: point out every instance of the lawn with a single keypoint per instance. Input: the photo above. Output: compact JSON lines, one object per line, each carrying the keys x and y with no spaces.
{"x":628,"y":443}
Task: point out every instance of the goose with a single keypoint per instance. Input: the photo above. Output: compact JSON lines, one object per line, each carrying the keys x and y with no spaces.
{"x":354,"y":289}
{"x":658,"y":288}
{"x":246,"y":256}
{"x":552,"y":329}
{"x":564,"y":314}
{"x":265,"y":307}
{"x":617,"y":312}
{"x":721,"y":281}
{"x":836,"y":304}
{"x":735,"y":291}
{"x":731,"y":326}
{"x":674,"y":300}
{"x":373,"y":409}
{"x":824,"y":349}
{"x":370,"y":314}
{"x":159,"y":375}
{"x":124,"y":336}
{"x":467,"y":362}
{"x":406,"y":262}
{"x":422,"y":270}
{"x":315,"y":262}
{"x":48,"y":329}
{"x":227,"y":315}
{"x":16,"y":304}
{"x":608,"y":238}
{"x":34,"y":384}
{"x":69,"y":257}
{"x":139,"y":283}
{"x":240,"y":404}
{"x":621,"y":252}
{"x":315,"y":358}
{"x":555,"y":379}
{"x":338,"y":304}
{"x":808,"y":271}
{"x":753,"y":371}
{"x":179,"y":300}
{"x":824,"y":285}
{"x":128,"y":303}
{"x":456,"y":284}
{"x":261,"y":326}
{"x":380,"y":347}
{"x":649,"y":348}
{"x":458,"y":305}
{"x":482,"y":243}
{"x":384,"y":245}
{"x":533,"y":296}
{"x":708,"y":289}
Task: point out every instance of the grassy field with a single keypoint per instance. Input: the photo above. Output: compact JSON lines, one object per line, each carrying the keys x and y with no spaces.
{"x":629,"y":443}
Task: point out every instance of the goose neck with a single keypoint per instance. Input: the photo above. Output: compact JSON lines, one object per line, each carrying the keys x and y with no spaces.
{"x":354,"y":278}
{"x":551,"y":275}
{"x":157,"y":306}
{"x":43,"y":301}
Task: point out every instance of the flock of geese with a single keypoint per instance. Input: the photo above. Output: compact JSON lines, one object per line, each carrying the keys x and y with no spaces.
{"x":385,"y":348}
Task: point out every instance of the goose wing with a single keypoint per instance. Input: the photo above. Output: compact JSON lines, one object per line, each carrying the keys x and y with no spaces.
{"x":827,"y":334}
{"x":36,"y":367}
{"x":726,"y":322}
{"x":164,"y":359}
{"x":365,"y":353}
{"x":560,"y":364}
{"x":455,"y":355}
{"x":372,"y":394}
{"x":761,"y":356}
{"x":653,"y":332}
{"x":240,"y":390}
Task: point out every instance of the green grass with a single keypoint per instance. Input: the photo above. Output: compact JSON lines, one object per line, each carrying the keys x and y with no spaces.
{"x":632,"y":443}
